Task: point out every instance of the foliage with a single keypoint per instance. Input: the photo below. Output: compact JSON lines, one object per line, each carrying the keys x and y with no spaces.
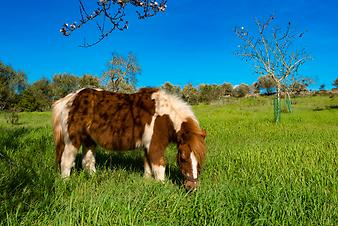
{"x":190,"y":94}
{"x":109,"y":15}
{"x":121,"y":73}
{"x":255,"y":173}
{"x":297,"y":87}
{"x":11,"y":85}
{"x":227,"y":89}
{"x":37,"y":97}
{"x":63,"y":84}
{"x":89,"y":81}
{"x":267,"y":83}
{"x":209,"y":93}
{"x":170,"y":88}
{"x":241,"y":91}
{"x":12,"y":117}
{"x":335,"y":83}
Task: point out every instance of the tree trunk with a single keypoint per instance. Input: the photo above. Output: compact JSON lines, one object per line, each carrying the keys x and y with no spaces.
{"x":277,"y":104}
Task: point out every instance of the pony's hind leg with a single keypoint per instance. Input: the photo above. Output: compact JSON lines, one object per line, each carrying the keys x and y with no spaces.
{"x":147,"y":169}
{"x":68,"y":159}
{"x":88,"y":159}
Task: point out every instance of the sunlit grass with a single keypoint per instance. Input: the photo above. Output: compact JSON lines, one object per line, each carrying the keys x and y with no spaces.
{"x":256,"y":172}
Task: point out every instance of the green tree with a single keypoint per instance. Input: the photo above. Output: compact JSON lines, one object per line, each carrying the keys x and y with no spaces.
{"x":89,"y":81}
{"x":63,"y":84}
{"x":37,"y":97}
{"x":170,"y":88}
{"x":12,"y":83}
{"x":121,"y":73}
{"x":297,"y":87}
{"x":267,"y":83}
{"x":190,"y":94}
{"x":335,"y":83}
{"x":241,"y":91}
{"x":209,"y":93}
{"x":227,"y":89}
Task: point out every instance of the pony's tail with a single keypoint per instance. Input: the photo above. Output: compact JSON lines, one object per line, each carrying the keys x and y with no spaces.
{"x":57,"y":130}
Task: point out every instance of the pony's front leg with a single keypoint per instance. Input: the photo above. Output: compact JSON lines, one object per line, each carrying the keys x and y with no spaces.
{"x":147,"y":168}
{"x":88,"y":159}
{"x":155,"y":165}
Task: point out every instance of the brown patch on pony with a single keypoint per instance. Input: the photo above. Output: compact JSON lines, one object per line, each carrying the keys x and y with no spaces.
{"x":115,"y":121}
{"x":191,"y":138}
{"x":163,"y":134}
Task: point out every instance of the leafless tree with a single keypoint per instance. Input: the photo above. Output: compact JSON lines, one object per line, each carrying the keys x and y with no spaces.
{"x":121,"y":73}
{"x":109,"y":15}
{"x":272,"y":52}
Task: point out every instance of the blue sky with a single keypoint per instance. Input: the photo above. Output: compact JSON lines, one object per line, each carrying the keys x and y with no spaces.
{"x":193,"y":41}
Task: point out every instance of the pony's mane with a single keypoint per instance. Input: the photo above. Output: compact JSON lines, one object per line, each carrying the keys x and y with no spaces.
{"x":194,"y":136}
{"x":178,"y":110}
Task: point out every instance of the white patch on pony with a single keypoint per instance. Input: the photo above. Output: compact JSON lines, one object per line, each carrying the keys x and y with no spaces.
{"x":61,"y":112}
{"x":88,"y":160}
{"x":193,"y":165}
{"x":148,"y":133}
{"x":159,"y":172}
{"x":178,"y":110}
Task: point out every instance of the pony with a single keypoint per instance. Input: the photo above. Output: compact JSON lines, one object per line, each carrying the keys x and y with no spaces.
{"x":148,"y":119}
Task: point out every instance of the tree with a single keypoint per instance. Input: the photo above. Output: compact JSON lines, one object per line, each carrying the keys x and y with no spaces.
{"x":272,"y":53}
{"x":121,"y":73}
{"x":170,"y":88}
{"x":227,"y":89}
{"x":37,"y":97}
{"x":89,"y":81}
{"x":190,"y":94}
{"x":63,"y":84}
{"x":109,"y":15}
{"x":267,"y":83}
{"x":241,"y":91}
{"x":12,"y":83}
{"x":209,"y":93}
{"x":335,"y":83}
{"x":322,"y":87}
{"x":298,"y":87}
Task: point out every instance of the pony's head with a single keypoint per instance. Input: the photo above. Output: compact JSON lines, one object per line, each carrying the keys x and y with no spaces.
{"x":191,"y":152}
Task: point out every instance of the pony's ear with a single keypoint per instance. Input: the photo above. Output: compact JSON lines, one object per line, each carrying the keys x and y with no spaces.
{"x":204,"y":133}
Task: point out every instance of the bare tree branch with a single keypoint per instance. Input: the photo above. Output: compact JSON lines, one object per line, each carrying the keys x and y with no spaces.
{"x":270,"y":50}
{"x":112,"y":11}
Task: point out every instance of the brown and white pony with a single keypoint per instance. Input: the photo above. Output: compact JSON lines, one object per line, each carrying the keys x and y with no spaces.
{"x":149,"y":118}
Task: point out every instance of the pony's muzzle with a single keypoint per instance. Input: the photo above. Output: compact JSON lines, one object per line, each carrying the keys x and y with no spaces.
{"x":190,"y":185}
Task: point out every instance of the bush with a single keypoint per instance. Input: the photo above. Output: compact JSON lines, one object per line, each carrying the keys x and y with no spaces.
{"x":12,"y":117}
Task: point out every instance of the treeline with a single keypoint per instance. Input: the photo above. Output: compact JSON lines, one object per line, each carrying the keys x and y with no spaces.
{"x":17,"y":95}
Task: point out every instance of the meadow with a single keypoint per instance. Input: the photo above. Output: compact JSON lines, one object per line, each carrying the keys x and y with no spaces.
{"x":255,"y":173}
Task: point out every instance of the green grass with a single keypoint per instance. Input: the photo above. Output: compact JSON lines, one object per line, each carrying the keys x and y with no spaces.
{"x":256,"y":173}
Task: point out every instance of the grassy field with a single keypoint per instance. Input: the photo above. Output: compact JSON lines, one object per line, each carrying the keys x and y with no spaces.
{"x":256,"y":173}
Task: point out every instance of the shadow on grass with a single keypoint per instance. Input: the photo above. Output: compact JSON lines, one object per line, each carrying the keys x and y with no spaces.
{"x":9,"y":137}
{"x":131,"y":161}
{"x":326,"y":108}
{"x":24,"y":181}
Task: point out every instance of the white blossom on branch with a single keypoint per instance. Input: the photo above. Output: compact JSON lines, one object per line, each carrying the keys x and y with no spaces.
{"x":109,"y":15}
